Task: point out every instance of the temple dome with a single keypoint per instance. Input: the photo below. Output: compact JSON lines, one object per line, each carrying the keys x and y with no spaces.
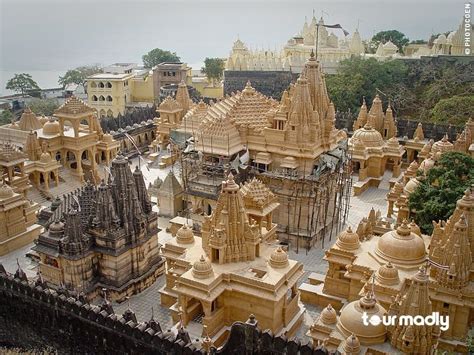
{"x":51,"y":127}
{"x":351,"y":345}
{"x":279,"y":258}
{"x":202,"y":269}
{"x":427,"y":164}
{"x":184,"y":235}
{"x":348,"y":240}
{"x":5,"y":191}
{"x":351,"y":321}
{"x":387,"y":274}
{"x":370,"y":137}
{"x":443,"y":145}
{"x":401,"y":246}
{"x":411,"y":185}
{"x":56,"y":226}
{"x":328,"y":315}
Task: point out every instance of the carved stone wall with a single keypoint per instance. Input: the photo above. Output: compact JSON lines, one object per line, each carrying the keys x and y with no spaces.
{"x":269,"y":83}
{"x":33,"y":317}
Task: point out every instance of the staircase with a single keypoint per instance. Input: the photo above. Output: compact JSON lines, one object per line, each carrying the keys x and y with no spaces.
{"x":67,"y":184}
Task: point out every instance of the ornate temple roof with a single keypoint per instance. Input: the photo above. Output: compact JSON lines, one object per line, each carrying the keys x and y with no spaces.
{"x":29,"y":121}
{"x":10,"y":153}
{"x":169,"y":104}
{"x":74,"y":106}
{"x":244,"y":109}
{"x":258,"y":196}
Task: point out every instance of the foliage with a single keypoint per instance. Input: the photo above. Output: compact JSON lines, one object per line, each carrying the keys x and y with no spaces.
{"x":43,"y":106}
{"x":22,"y":83}
{"x":78,"y":75}
{"x":419,"y":41}
{"x":453,"y":110}
{"x":398,"y":38}
{"x":435,"y":197}
{"x":213,"y":68}
{"x":358,"y":77}
{"x":157,"y":56}
{"x":6,"y":117}
{"x":414,"y":87}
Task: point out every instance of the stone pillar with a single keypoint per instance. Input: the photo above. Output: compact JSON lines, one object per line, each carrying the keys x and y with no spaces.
{"x":46,"y":180}
{"x":269,"y":221}
{"x":56,"y":177}
{"x":78,"y":155}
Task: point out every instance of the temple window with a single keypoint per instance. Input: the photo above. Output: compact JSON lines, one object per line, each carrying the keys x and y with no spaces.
{"x":101,"y":98}
{"x":94,"y":98}
{"x":109,"y":98}
{"x":93,"y":84}
{"x":101,"y":85}
{"x":109,"y":84}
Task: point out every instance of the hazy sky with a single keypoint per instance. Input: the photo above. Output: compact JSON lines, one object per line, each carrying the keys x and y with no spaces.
{"x":55,"y":35}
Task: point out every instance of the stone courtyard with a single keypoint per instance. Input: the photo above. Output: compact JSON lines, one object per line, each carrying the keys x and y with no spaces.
{"x":147,"y":303}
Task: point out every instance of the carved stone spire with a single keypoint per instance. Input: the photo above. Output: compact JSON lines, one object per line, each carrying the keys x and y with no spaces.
{"x":128,"y":207}
{"x":105,"y":215}
{"x":143,"y":196}
{"x":457,"y":255}
{"x":182,"y":97}
{"x":74,"y":242}
{"x":413,"y":339}
{"x":376,"y":114}
{"x":227,"y":233}
{"x":32,"y":146}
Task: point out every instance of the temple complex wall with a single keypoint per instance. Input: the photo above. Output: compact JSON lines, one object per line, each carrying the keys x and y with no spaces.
{"x":269,"y":83}
{"x":38,"y":318}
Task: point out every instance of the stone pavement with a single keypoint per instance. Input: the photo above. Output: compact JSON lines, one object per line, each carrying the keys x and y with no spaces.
{"x":143,"y":303}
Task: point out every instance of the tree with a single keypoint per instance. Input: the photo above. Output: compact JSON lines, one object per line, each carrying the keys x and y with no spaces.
{"x":157,"y":56}
{"x":213,"y":68}
{"x":419,"y":41}
{"x":6,"y":117}
{"x":78,"y":75}
{"x":454,"y":110}
{"x":43,"y":106}
{"x":358,"y":77}
{"x":435,"y":197}
{"x":398,"y":38}
{"x":22,"y":83}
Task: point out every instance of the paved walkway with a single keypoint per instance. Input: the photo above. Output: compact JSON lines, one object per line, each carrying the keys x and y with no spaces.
{"x":143,"y":303}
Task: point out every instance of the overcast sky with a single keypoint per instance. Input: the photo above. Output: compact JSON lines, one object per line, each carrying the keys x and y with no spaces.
{"x":55,"y":35}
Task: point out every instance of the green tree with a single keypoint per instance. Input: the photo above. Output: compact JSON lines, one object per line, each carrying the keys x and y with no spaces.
{"x":78,"y":75}
{"x":398,"y":38}
{"x":358,"y":77}
{"x":454,"y":110}
{"x":435,"y":197}
{"x":213,"y":68}
{"x":22,"y":83}
{"x":43,"y":106}
{"x":419,"y":41}
{"x":6,"y":117}
{"x":157,"y":56}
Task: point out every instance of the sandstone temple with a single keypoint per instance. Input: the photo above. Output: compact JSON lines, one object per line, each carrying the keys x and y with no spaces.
{"x":103,"y":236}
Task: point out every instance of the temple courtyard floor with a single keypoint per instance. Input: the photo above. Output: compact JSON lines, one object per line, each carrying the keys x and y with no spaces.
{"x":148,"y":302}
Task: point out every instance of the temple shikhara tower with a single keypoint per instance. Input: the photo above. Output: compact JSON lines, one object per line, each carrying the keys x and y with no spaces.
{"x":103,"y":236}
{"x":402,"y":272}
{"x":292,"y":146}
{"x":235,"y":268}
